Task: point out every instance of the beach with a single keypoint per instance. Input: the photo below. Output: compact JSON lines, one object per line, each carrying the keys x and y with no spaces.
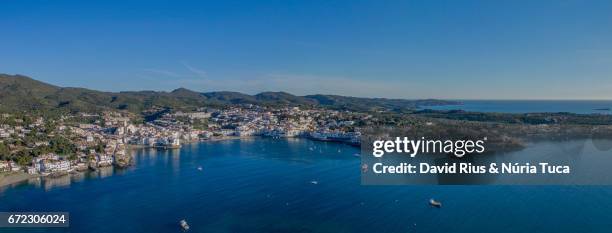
{"x":14,"y":177}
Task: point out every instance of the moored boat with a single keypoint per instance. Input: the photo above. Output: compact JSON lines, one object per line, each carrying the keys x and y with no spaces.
{"x":184,"y":225}
{"x":435,"y":203}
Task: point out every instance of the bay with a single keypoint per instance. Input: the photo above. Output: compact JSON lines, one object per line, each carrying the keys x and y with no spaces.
{"x":265,"y":185}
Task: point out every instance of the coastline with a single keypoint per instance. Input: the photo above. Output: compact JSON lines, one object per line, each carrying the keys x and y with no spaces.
{"x":215,"y":139}
{"x":10,"y":178}
{"x":7,"y":179}
{"x":224,"y":138}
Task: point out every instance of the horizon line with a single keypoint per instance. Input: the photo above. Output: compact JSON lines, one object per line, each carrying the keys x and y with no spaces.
{"x":283,"y":91}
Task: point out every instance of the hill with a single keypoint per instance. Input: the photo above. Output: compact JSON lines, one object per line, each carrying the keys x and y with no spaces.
{"x":22,"y":93}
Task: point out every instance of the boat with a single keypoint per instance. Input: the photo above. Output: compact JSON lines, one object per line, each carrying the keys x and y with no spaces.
{"x":314,"y":182}
{"x":435,"y":203}
{"x":184,"y":225}
{"x":200,"y":168}
{"x":364,"y":168}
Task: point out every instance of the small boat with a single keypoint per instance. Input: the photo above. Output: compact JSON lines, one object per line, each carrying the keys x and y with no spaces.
{"x":364,"y":168}
{"x":357,"y":155}
{"x":314,"y":182}
{"x":435,"y":203}
{"x":184,"y":225}
{"x":200,"y":168}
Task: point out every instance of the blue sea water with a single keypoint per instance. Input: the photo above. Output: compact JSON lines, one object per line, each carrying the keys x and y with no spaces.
{"x":264,"y":185}
{"x":531,"y":106}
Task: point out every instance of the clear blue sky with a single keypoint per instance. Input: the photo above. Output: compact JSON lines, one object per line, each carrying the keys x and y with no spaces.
{"x":402,"y":49}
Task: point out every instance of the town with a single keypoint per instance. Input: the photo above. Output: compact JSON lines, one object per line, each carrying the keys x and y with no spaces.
{"x":77,"y":142}
{"x":59,"y":143}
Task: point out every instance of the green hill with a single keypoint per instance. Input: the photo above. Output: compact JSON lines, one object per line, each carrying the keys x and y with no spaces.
{"x":21,"y":93}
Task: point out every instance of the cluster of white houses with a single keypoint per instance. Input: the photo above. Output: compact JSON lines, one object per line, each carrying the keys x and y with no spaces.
{"x":53,"y":164}
{"x":169,"y":132}
{"x":283,"y":122}
{"x":9,"y":166}
{"x":116,"y":131}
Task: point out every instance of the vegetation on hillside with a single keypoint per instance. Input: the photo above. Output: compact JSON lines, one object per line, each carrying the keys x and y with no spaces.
{"x":21,"y":93}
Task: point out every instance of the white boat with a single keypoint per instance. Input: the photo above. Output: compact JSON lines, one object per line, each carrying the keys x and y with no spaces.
{"x":200,"y":168}
{"x":435,"y":203}
{"x":184,"y":225}
{"x":314,"y":182}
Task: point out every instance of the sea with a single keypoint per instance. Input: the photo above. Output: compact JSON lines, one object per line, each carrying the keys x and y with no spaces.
{"x":531,"y":106}
{"x":293,"y":185}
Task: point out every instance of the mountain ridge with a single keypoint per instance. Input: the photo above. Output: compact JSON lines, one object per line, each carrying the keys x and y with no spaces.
{"x":23,"y":93}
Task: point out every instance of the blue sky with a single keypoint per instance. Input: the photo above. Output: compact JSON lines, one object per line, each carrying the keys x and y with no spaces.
{"x":399,"y":49}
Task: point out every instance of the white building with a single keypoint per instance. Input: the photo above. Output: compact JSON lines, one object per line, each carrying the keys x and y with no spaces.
{"x":14,"y":167}
{"x":32,"y":170}
{"x":104,"y":160}
{"x":55,"y":166}
{"x":176,"y":142}
{"x":4,"y":166}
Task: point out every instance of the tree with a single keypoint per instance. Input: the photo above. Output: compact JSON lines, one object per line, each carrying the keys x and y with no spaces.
{"x":62,"y":146}
{"x":4,"y":152}
{"x":22,"y":158}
